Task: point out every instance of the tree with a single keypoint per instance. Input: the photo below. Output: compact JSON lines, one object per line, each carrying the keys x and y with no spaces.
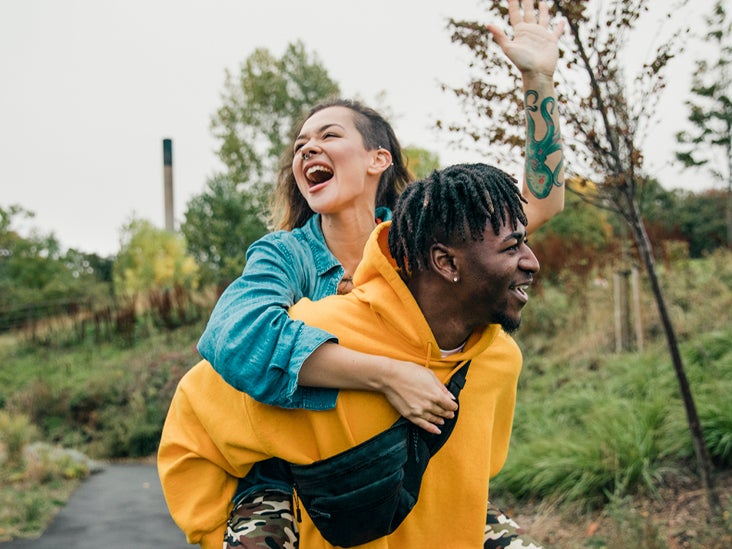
{"x":575,"y":242}
{"x":152,"y":259}
{"x":38,"y":279}
{"x":421,"y":162}
{"x":605,"y":122}
{"x":697,"y":219}
{"x":710,"y":113}
{"x":261,"y":106}
{"x":219,"y":226}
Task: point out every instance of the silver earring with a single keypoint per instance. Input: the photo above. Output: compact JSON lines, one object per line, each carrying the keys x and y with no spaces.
{"x":455,"y":279}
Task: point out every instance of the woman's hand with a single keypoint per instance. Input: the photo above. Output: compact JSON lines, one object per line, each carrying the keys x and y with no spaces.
{"x":413,"y":390}
{"x":418,"y":395}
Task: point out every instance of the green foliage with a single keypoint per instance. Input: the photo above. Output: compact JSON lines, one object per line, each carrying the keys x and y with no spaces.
{"x":107,"y":401}
{"x":610,"y":431}
{"x":697,"y":219}
{"x":152,"y":259}
{"x":219,"y":226}
{"x":15,"y":432}
{"x":596,"y":427}
{"x":38,"y":279}
{"x":30,"y":494}
{"x":261,"y":105}
{"x":709,"y":142}
{"x":421,"y":162}
{"x":573,"y":243}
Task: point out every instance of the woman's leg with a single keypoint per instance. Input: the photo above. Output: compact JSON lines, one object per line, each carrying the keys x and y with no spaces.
{"x":262,"y":520}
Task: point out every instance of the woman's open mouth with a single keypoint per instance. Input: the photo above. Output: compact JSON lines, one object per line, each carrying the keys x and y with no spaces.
{"x":318,"y":174}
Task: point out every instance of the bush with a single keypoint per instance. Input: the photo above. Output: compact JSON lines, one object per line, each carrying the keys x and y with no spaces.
{"x":15,"y":432}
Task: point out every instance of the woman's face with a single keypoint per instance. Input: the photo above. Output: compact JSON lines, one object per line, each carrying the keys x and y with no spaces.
{"x":331,"y":164}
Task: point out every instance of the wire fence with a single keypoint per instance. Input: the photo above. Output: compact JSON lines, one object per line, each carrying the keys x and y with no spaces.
{"x":99,"y":320}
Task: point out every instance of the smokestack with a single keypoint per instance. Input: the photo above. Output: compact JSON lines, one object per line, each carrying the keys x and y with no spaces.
{"x":168,"y":183}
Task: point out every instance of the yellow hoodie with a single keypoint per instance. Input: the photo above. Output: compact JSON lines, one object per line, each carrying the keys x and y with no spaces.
{"x":214,"y":434}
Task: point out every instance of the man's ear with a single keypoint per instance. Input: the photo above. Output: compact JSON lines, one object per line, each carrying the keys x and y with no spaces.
{"x":442,"y":261}
{"x":380,"y":161}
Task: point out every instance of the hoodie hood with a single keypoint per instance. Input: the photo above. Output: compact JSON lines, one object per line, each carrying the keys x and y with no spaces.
{"x":378,"y":282}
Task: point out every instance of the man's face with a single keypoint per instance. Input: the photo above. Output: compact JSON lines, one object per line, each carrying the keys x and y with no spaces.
{"x":494,"y":275}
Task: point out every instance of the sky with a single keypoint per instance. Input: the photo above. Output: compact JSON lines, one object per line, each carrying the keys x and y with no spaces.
{"x":90,"y":88}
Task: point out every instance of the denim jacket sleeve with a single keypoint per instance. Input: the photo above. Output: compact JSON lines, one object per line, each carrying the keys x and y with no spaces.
{"x":250,"y":339}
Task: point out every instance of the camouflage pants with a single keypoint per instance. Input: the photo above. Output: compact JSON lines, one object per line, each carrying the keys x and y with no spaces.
{"x":501,"y":532}
{"x":265,"y":520}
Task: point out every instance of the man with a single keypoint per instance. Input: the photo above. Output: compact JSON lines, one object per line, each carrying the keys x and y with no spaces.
{"x":440,"y":285}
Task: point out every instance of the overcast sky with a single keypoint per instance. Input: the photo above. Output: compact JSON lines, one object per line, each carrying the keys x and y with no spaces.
{"x":90,"y":88}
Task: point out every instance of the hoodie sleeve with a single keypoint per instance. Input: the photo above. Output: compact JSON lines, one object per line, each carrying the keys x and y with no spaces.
{"x":250,"y":339}
{"x":198,"y":463}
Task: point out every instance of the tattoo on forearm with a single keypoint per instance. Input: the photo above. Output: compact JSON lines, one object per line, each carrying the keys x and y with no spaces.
{"x":540,"y":178}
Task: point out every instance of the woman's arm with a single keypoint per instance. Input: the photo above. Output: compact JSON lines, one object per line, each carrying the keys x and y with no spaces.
{"x":251,"y":341}
{"x":258,"y":349}
{"x":534,"y":51}
{"x":413,"y":390}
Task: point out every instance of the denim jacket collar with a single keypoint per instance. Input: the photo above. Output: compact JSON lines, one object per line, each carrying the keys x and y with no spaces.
{"x":323,"y":259}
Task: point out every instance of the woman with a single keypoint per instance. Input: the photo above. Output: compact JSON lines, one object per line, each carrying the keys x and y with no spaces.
{"x":345,"y":162}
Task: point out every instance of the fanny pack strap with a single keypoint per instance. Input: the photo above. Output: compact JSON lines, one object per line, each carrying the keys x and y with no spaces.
{"x":457,"y":381}
{"x":436,"y":441}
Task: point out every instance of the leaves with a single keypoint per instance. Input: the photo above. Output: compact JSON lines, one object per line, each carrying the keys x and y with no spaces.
{"x":261,"y":105}
{"x":152,"y":259}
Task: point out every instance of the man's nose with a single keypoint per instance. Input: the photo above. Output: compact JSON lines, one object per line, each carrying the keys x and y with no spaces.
{"x":529,"y":262}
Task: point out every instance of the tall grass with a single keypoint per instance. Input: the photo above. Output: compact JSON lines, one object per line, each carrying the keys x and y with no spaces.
{"x":107,"y":400}
{"x":594,"y":426}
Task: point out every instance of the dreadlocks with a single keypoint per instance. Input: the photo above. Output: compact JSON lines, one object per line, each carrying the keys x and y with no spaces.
{"x":450,"y":205}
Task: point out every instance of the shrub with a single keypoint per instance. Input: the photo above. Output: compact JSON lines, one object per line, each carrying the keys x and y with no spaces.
{"x":15,"y":432}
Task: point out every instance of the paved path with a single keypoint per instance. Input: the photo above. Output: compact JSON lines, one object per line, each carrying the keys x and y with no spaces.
{"x":121,"y":507}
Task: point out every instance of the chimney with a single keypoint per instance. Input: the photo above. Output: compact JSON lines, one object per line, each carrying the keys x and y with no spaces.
{"x":168,"y":183}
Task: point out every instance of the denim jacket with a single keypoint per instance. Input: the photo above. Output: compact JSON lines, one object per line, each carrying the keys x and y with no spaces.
{"x":250,"y":339}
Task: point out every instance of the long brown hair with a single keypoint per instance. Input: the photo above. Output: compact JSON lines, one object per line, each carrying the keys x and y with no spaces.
{"x":290,"y":209}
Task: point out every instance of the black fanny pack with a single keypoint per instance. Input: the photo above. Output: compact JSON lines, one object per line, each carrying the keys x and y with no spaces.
{"x":366,"y":492}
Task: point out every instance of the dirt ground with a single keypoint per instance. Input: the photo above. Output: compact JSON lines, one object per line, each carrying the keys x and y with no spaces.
{"x":676,"y":519}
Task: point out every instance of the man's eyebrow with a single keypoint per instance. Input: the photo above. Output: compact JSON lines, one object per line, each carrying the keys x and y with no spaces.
{"x":519,"y":236}
{"x":321,"y":129}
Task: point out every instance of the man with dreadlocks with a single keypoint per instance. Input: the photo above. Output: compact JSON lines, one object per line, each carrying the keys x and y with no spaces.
{"x":442,"y":284}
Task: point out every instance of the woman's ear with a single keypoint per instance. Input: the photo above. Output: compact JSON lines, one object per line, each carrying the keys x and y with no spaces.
{"x":380,"y":161}
{"x":442,"y":261}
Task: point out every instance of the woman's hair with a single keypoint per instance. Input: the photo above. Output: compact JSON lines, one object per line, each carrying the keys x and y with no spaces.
{"x":290,"y":209}
{"x":452,"y":205}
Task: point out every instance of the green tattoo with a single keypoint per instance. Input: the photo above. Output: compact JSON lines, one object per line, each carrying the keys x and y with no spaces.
{"x":539,"y":177}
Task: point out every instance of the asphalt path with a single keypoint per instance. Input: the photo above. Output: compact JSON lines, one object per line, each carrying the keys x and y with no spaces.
{"x":120,"y":507}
